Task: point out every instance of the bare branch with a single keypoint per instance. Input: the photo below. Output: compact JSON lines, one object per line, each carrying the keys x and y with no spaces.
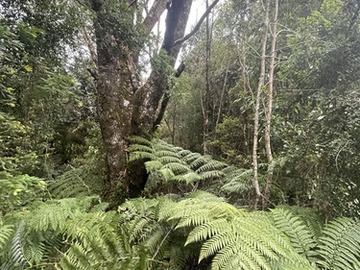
{"x":197,"y":26}
{"x":154,"y":14}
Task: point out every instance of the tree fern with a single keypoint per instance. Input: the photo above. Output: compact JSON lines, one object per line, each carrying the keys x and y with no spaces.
{"x":174,"y":163}
{"x":200,"y":229}
{"x":234,"y":238}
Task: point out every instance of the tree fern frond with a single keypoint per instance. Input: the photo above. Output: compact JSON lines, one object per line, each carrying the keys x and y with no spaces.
{"x":184,"y":153}
{"x":292,"y":264}
{"x":140,"y":140}
{"x":153,"y":166}
{"x":14,"y":257}
{"x":301,"y":238}
{"x":339,"y":246}
{"x":77,"y":182}
{"x":5,"y":233}
{"x":190,"y":157}
{"x":211,"y":175}
{"x":141,"y":155}
{"x":205,"y":231}
{"x":188,"y":178}
{"x":242,"y":238}
{"x":200,"y":161}
{"x":140,"y":148}
{"x":211,"y":166}
{"x":177,"y":168}
{"x":170,"y":159}
{"x":166,"y":173}
{"x":166,"y":153}
{"x":236,"y":239}
{"x":236,"y":187}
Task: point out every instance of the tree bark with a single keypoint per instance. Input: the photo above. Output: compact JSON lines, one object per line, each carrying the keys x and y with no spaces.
{"x":113,"y":102}
{"x":268,"y":110}
{"x":257,"y":108}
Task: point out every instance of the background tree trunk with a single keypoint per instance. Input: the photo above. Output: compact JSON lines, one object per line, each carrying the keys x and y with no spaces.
{"x":268,"y":110}
{"x":257,"y":107}
{"x":206,"y":94}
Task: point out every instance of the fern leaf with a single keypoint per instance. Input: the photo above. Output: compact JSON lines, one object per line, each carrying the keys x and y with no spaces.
{"x":166,"y":153}
{"x":140,"y":148}
{"x":211,"y":166}
{"x":189,"y":158}
{"x":205,"y":231}
{"x":177,"y":168}
{"x":200,"y":161}
{"x":15,"y":255}
{"x":184,"y":153}
{"x":170,"y":159}
{"x":211,"y":175}
{"x":140,"y":140}
{"x":295,"y":229}
{"x":188,"y":178}
{"x":141,"y":155}
{"x":153,"y":166}
{"x":339,"y":246}
{"x":5,"y":233}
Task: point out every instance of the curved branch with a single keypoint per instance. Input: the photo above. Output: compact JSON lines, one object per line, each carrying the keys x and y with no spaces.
{"x":197,"y":26}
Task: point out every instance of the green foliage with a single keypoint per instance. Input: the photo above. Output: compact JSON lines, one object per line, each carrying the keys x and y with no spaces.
{"x":5,"y":232}
{"x":46,"y":119}
{"x":201,"y":229}
{"x":18,"y":190}
{"x":15,"y":154}
{"x":85,"y":180}
{"x":13,"y":257}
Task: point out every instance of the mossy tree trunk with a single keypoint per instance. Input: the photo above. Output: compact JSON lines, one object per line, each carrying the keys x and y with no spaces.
{"x":125,"y":106}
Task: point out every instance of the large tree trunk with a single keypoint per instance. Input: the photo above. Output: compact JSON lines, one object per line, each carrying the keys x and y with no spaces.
{"x":114,"y":99}
{"x":124,"y":107}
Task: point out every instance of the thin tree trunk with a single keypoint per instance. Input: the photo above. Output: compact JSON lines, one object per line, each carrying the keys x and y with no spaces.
{"x":173,"y":124}
{"x":248,"y":89}
{"x":206,"y":103}
{"x":221,"y":99}
{"x":268,"y":110}
{"x":257,"y":107}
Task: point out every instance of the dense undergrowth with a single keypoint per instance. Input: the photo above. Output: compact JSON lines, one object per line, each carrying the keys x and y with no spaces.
{"x":181,"y":227}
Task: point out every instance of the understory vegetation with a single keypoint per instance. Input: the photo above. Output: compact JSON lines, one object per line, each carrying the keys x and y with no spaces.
{"x":244,"y":156}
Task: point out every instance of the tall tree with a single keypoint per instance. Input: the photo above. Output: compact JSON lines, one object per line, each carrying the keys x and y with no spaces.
{"x":206,"y":94}
{"x":261,"y":84}
{"x":125,"y":105}
{"x":269,"y":105}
